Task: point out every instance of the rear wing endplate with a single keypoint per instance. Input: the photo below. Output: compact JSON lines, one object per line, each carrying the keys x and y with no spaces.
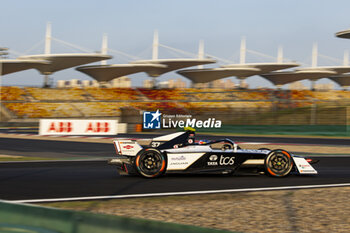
{"x":126,"y":147}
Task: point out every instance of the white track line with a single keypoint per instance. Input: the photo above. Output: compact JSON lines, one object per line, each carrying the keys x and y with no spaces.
{"x":179,"y":193}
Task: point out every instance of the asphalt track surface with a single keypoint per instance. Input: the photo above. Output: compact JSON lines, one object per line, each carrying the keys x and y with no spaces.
{"x":23,"y":181}
{"x":55,"y":149}
{"x":37,"y":180}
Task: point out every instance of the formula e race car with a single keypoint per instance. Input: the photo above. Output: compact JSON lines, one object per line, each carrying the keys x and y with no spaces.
{"x":180,"y":153}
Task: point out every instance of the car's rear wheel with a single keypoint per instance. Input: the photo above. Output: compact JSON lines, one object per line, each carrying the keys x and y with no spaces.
{"x":150,"y":163}
{"x":278,"y":163}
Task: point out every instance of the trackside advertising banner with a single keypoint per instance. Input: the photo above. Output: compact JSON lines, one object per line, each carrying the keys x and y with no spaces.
{"x":77,"y":127}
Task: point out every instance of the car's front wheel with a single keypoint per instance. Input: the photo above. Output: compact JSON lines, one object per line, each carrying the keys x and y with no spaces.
{"x":278,"y":163}
{"x":150,"y":163}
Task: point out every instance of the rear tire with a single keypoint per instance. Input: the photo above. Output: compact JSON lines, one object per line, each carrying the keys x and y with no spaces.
{"x":278,"y":163}
{"x":150,"y":163}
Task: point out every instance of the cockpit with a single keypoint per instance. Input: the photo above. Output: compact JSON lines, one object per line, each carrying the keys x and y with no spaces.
{"x":187,"y":138}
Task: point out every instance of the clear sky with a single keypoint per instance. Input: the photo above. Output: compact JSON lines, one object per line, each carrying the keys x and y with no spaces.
{"x":294,"y":24}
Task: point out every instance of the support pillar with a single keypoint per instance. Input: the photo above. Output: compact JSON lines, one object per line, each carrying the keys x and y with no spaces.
{"x":201,"y":52}
{"x":104,"y":49}
{"x":313,"y":84}
{"x":314,"y":55}
{"x":243,"y":51}
{"x":155,"y":45}
{"x":46,"y":81}
{"x":280,"y":55}
{"x":48,"y":39}
{"x":346,"y":58}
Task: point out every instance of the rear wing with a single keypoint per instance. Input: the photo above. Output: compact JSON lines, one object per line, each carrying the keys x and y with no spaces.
{"x":126,"y":147}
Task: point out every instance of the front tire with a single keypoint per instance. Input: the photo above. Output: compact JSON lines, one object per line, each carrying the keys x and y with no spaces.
{"x":150,"y":163}
{"x":278,"y":163}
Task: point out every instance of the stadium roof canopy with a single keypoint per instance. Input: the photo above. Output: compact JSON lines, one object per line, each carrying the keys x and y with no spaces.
{"x":343,"y":34}
{"x":172,"y":64}
{"x":343,"y":80}
{"x":241,"y":71}
{"x":263,"y":67}
{"x":208,"y":75}
{"x":14,"y":65}
{"x":105,"y":73}
{"x":336,"y":69}
{"x":284,"y":77}
{"x":64,"y":61}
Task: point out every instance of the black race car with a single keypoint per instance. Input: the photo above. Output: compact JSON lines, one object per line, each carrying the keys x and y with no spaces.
{"x":179,"y":153}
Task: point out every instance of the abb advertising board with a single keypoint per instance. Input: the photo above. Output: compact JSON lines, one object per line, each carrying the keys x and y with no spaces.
{"x":77,"y":127}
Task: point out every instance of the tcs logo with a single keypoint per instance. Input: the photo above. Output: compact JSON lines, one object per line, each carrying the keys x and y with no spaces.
{"x":61,"y":127}
{"x":98,"y":127}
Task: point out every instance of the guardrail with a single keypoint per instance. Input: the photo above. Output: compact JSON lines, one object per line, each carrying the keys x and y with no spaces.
{"x":28,"y":218}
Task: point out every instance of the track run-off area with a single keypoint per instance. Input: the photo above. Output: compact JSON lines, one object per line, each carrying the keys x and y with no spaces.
{"x":78,"y":170}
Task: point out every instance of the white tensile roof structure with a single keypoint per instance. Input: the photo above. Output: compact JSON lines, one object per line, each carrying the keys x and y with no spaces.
{"x":343,"y":34}
{"x":209,"y":75}
{"x":153,"y":67}
{"x":172,"y":64}
{"x":263,"y":67}
{"x":105,"y":73}
{"x":343,"y":79}
{"x":336,"y":69}
{"x":283,"y":77}
{"x":15,"y":65}
{"x":312,"y":73}
{"x":59,"y":62}
{"x":241,"y":71}
{"x":48,"y":63}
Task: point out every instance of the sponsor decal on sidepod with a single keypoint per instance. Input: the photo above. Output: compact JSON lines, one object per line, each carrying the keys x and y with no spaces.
{"x":179,"y":158}
{"x":213,"y":160}
{"x":223,"y":161}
